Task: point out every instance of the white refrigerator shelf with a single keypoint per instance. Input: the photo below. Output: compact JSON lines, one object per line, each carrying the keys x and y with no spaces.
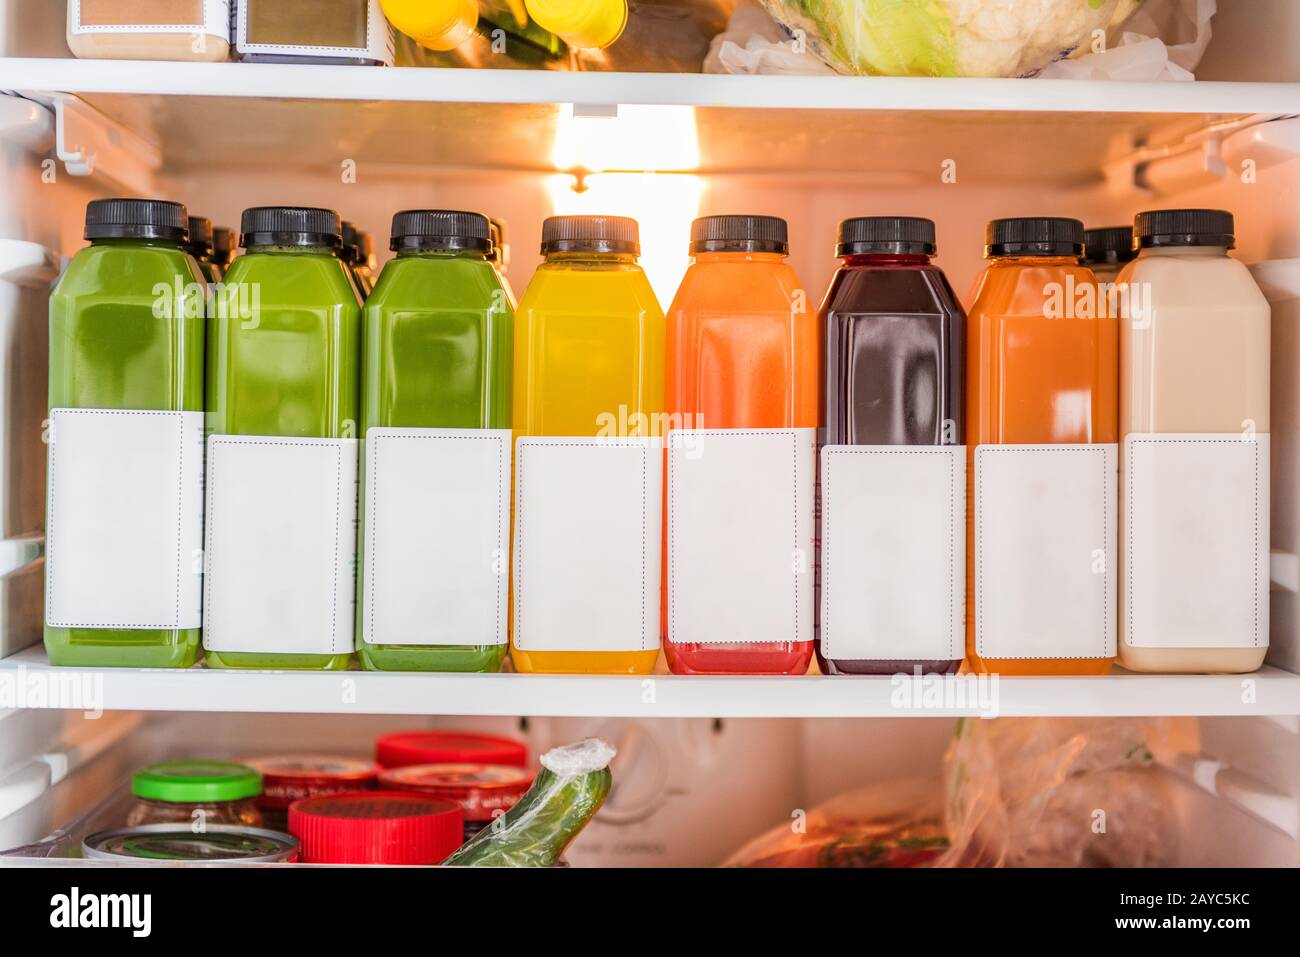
{"x":305,"y":81}
{"x":28,"y":681}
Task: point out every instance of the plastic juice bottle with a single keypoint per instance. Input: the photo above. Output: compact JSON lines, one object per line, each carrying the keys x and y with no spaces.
{"x":109,"y":350}
{"x":1034,"y":379}
{"x":350,"y":253}
{"x":500,"y":255}
{"x":741,"y":353}
{"x":436,"y":24}
{"x":224,"y":243}
{"x":366,"y":260}
{"x":439,"y":336}
{"x":1107,"y":250}
{"x":584,"y":24}
{"x":1194,"y":416}
{"x":589,"y":345}
{"x":894,"y":364}
{"x":293,"y":371}
{"x":200,"y":247}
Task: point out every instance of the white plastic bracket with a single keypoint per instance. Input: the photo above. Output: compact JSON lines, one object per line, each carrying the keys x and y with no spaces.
{"x":89,"y":143}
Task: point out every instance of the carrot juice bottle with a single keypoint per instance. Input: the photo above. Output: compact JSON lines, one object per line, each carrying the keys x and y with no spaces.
{"x":1042,"y":462}
{"x":741,"y":403}
{"x":588,"y":407}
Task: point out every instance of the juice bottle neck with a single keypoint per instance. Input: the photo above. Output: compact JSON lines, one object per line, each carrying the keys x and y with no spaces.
{"x":590,"y":259}
{"x":1035,"y":262}
{"x":886,"y":260}
{"x":739,"y":257}
{"x":132,"y":243}
{"x":293,"y":250}
{"x":1173,"y":252}
{"x":472,"y":255}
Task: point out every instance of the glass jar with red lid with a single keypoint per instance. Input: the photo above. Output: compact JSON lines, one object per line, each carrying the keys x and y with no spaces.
{"x":483,"y":791}
{"x":403,"y":748}
{"x":291,"y":777}
{"x":376,"y":827}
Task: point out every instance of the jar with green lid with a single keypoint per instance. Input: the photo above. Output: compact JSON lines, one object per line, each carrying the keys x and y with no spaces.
{"x":197,"y":794}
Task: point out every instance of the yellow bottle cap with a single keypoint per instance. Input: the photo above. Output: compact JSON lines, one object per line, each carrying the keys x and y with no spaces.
{"x":436,"y":24}
{"x":585,"y":24}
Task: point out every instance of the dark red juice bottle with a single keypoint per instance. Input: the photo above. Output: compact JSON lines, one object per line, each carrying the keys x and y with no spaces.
{"x":894,"y":355}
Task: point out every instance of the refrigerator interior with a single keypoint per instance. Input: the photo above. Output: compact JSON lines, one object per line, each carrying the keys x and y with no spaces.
{"x":741,"y":756}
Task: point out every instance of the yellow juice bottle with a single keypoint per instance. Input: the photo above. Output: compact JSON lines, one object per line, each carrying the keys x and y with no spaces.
{"x":588,"y":401}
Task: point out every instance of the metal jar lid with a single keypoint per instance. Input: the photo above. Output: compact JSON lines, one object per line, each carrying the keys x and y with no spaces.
{"x":177,"y":843}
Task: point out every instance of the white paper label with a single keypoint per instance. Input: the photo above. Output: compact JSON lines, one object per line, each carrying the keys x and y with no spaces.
{"x":1045,"y":528}
{"x":1196,"y":533}
{"x":435,"y":565}
{"x":124,"y":523}
{"x":588,"y":527}
{"x":281,"y":545}
{"x":740,"y":535}
{"x":216,"y":21}
{"x":893,"y":552}
{"x":379,"y":45}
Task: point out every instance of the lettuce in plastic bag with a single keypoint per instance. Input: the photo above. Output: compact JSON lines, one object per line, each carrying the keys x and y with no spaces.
{"x":947,"y":37}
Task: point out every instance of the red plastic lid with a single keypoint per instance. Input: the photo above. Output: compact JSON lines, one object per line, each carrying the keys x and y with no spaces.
{"x":376,"y":827}
{"x":480,"y":789}
{"x":404,"y":748}
{"x":291,"y":777}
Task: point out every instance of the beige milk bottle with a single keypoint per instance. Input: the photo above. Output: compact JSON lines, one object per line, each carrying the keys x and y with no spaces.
{"x":1194,"y":432}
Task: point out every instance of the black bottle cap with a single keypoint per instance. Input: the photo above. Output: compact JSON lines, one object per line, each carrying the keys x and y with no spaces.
{"x":290,"y":226}
{"x":591,"y":234}
{"x":137,"y":219}
{"x":348,"y":242}
{"x":200,"y":241}
{"x":224,"y":242}
{"x":440,"y":229}
{"x":1034,"y":236}
{"x":1185,"y":227}
{"x":740,"y":234}
{"x":1108,"y":245}
{"x":889,"y":235}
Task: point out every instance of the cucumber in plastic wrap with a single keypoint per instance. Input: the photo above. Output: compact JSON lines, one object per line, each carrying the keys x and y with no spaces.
{"x":565,"y":796}
{"x":947,"y":37}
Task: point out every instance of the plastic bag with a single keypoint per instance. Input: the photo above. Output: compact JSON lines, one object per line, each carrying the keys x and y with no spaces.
{"x":894,"y":824}
{"x":755,"y":43}
{"x":1059,"y":792}
{"x":918,"y":37}
{"x":1016,"y":792}
{"x":565,"y":796}
{"x":1164,"y":40}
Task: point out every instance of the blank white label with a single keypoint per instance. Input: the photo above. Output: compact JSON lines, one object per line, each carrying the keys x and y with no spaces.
{"x":893,"y":552}
{"x":740,"y":535}
{"x":435,"y":566}
{"x":588,"y":517}
{"x":281,"y":545}
{"x":1196,"y":519}
{"x":1045,"y":527}
{"x":124,"y":526}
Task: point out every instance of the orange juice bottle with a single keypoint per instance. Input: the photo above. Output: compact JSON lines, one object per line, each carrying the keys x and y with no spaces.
{"x":588,"y":408}
{"x":741,"y":398}
{"x":1042,"y":416}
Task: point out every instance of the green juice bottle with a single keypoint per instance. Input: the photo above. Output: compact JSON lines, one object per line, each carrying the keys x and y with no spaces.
{"x":200,"y":247}
{"x":436,"y":403}
{"x":126,"y":333}
{"x":284,"y":349}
